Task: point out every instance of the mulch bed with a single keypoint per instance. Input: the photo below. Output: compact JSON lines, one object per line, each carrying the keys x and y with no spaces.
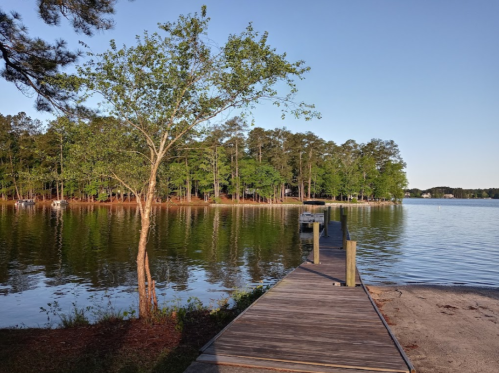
{"x":123,"y":346}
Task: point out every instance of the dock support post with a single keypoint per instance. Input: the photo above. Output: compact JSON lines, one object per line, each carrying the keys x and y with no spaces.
{"x":326,"y":223}
{"x":344,"y":230}
{"x":316,"y":242}
{"x":328,"y":214}
{"x":350,"y":262}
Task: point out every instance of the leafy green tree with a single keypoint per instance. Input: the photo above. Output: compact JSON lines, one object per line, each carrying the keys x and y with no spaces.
{"x":235,"y":129}
{"x":317,"y":180}
{"x":349,"y":156}
{"x":279,"y":155}
{"x":332,"y":179}
{"x":215,"y":158}
{"x":382,"y":151}
{"x":314,"y":146}
{"x":397,"y":180}
{"x":248,"y":176}
{"x":162,"y":88}
{"x":368,"y":173}
{"x":298,"y":162}
{"x":17,"y":150}
{"x":257,"y":141}
{"x":33,"y":64}
{"x":267,"y":180}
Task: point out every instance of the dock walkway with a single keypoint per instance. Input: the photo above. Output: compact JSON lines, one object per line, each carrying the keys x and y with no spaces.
{"x":309,"y":322}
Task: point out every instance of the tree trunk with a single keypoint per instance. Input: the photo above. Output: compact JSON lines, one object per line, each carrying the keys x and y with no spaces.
{"x":147,"y":292}
{"x":188,"y":186}
{"x":232,"y":178}
{"x":62,"y":179}
{"x":14,"y":178}
{"x":216,"y":192}
{"x":300,"y":186}
{"x":309,"y":179}
{"x":237,"y":174}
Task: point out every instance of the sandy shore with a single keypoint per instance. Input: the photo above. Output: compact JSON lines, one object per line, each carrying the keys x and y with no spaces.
{"x":444,"y":329}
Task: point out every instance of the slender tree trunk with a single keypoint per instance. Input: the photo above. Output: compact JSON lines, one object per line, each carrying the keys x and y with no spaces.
{"x":232,"y":196}
{"x":188,"y":186}
{"x":14,"y":177}
{"x":146,"y":292}
{"x":62,"y":179}
{"x":309,"y":179}
{"x":216,"y":191}
{"x":237,"y":174}
{"x":301,"y":187}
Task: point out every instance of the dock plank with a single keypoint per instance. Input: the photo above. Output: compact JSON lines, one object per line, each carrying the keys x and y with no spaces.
{"x":311,"y":322}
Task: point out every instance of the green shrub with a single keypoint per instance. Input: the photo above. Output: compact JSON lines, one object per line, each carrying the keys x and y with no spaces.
{"x":102,"y":197}
{"x":111,"y":315}
{"x":244,"y":298}
{"x":76,"y":318}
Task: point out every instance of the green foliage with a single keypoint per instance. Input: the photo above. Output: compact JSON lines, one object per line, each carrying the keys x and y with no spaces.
{"x":103,"y":197}
{"x":74,"y":319}
{"x":76,"y":316}
{"x":33,"y":64}
{"x":260,"y":164}
{"x":224,"y":311}
{"x":244,"y":298}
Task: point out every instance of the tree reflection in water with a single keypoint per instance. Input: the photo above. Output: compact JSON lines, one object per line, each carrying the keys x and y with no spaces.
{"x":90,"y":250}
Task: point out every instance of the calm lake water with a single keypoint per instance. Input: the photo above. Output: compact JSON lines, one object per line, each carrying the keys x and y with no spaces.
{"x":85,"y":255}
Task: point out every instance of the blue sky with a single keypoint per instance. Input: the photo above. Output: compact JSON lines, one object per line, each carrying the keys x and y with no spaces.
{"x":422,"y":73}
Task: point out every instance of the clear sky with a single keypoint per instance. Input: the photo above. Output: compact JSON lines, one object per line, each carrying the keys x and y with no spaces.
{"x":423,"y":73}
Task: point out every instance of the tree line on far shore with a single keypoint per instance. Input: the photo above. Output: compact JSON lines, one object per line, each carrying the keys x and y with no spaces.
{"x":440,"y":192}
{"x":65,"y":160}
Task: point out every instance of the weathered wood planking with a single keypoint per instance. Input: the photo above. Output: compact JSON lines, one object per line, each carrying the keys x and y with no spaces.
{"x":311,"y":322}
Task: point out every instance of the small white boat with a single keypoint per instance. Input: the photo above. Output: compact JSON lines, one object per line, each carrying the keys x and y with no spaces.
{"x":59,"y":203}
{"x":25,"y":202}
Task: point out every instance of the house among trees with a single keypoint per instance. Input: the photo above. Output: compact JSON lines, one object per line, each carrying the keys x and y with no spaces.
{"x":426,"y":195}
{"x":448,"y":196}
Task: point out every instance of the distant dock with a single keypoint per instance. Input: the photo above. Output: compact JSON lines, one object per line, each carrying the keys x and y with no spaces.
{"x":311,"y":322}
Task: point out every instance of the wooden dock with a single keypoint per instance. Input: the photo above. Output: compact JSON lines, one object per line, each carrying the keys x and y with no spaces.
{"x":311,"y":322}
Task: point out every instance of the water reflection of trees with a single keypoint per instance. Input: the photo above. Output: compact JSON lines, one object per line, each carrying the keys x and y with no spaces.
{"x":96,"y":245}
{"x":231,"y":246}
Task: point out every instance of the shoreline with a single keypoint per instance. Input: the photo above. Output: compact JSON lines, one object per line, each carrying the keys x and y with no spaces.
{"x":334,"y":204}
{"x":443,"y":329}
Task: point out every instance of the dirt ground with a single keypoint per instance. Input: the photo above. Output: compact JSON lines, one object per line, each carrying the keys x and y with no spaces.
{"x":444,"y":329}
{"x":124,"y":346}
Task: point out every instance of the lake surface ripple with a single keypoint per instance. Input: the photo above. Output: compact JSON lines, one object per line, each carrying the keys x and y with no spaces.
{"x":85,"y":255}
{"x":449,"y":242}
